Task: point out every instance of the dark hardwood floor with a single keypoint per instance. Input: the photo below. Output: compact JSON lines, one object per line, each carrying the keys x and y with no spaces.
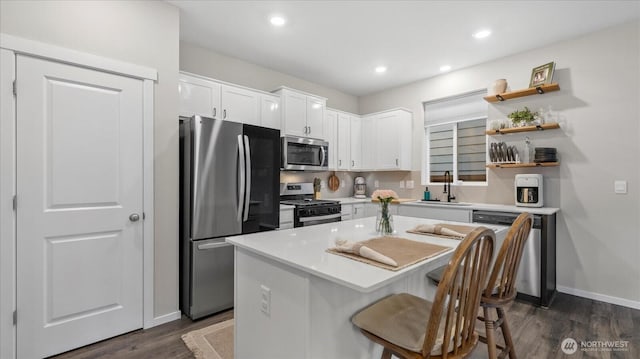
{"x":537,"y":333}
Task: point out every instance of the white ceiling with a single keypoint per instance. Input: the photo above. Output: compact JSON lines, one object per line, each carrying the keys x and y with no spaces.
{"x":339,"y":43}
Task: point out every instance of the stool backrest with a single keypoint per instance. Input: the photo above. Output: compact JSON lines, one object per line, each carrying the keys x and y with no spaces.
{"x":453,"y":314}
{"x":502,"y":280}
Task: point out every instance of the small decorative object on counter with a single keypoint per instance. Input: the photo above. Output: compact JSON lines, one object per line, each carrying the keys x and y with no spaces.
{"x":427,"y":194}
{"x":384,"y":219}
{"x":497,"y":87}
{"x":316,"y":188}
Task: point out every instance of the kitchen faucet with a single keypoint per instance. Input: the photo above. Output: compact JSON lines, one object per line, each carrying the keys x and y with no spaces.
{"x":448,"y":180}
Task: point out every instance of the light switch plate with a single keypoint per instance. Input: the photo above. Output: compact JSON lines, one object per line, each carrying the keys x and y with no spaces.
{"x":410,"y":184}
{"x":265,"y":300}
{"x":376,"y":184}
{"x":620,"y":186}
{"x":401,"y":184}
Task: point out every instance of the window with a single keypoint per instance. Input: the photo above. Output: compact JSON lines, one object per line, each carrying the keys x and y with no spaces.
{"x":455,"y":139}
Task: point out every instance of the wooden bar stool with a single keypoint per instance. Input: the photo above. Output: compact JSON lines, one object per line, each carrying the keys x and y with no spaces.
{"x":501,"y":289}
{"x":411,"y":327}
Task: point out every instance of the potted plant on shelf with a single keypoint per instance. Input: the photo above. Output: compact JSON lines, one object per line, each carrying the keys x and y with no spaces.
{"x":524,"y":117}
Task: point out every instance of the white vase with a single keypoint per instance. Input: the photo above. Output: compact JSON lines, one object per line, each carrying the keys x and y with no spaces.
{"x":497,"y":87}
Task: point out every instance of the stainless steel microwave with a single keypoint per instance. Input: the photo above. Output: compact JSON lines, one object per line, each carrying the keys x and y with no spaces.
{"x":304,"y":154}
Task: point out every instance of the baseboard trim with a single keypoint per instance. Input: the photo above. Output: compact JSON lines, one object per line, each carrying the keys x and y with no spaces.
{"x":600,"y":297}
{"x":170,"y":317}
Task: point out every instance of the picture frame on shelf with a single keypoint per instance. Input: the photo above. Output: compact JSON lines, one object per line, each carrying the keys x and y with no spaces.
{"x":542,"y":74}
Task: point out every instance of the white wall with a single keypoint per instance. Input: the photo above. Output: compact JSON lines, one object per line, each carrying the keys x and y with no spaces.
{"x":598,"y":109}
{"x":139,"y":32}
{"x":207,"y":63}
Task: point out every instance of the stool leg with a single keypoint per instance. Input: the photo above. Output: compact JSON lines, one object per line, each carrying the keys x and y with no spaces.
{"x":490,"y":332}
{"x":386,"y":354}
{"x":506,"y":333}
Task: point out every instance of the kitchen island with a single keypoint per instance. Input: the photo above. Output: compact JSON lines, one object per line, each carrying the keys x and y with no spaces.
{"x":295,"y":300}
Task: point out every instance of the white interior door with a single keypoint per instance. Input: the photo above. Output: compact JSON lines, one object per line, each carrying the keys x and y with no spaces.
{"x":79,"y":179}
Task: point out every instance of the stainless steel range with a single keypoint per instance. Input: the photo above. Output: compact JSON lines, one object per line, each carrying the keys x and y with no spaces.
{"x":308,"y":211}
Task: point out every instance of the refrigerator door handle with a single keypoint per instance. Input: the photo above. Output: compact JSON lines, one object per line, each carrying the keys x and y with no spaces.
{"x":323,"y":155}
{"x":248,"y":178}
{"x":241,"y":178}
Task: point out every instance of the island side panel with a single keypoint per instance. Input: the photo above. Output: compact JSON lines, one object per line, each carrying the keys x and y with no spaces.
{"x":283,"y":331}
{"x":332,"y":306}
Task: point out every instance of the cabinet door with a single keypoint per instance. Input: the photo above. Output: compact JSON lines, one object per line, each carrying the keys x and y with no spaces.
{"x":270,"y":111}
{"x":199,"y":97}
{"x":358,"y":211}
{"x":368,"y":143}
{"x":330,"y":135}
{"x":286,"y":218}
{"x":295,"y":113}
{"x":356,"y":143}
{"x":387,"y":141}
{"x":344,"y":137}
{"x":239,"y":105}
{"x":315,"y":117}
{"x":346,"y":212}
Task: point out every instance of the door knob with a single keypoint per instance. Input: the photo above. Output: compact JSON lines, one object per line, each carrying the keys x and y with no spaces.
{"x":134,"y":217}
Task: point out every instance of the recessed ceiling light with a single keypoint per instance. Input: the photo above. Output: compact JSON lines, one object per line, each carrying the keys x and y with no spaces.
{"x":381,"y":69}
{"x":278,"y":21}
{"x":482,"y":34}
{"x":445,"y":68}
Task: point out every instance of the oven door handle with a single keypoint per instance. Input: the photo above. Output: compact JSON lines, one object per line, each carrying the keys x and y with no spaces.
{"x":320,"y":218}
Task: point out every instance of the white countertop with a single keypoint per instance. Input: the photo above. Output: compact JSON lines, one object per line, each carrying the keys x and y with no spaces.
{"x":467,"y":205}
{"x":286,"y":206}
{"x":304,"y":248}
{"x":487,"y":207}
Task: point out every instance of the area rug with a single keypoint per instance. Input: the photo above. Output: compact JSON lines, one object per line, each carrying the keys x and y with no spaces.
{"x":212,"y":342}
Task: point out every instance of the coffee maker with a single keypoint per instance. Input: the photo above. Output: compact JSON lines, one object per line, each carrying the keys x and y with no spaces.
{"x":528,"y":188}
{"x":360,"y":187}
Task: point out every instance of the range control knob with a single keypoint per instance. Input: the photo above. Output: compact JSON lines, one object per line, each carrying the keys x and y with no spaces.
{"x":304,"y":212}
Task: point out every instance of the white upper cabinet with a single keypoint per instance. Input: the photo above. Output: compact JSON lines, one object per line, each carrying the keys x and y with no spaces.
{"x":270,"y":111}
{"x":315,"y":117}
{"x":344,"y":139}
{"x":211,"y":98}
{"x":356,"y":143}
{"x":368,"y":142}
{"x":199,"y":97}
{"x":331,"y":136}
{"x":239,"y":105}
{"x":393,"y":140}
{"x":302,"y":114}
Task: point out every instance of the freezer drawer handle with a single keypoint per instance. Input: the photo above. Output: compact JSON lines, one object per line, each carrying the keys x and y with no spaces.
{"x":213,"y":245}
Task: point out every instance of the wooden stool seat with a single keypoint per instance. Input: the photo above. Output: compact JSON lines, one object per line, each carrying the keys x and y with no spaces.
{"x":411,"y":327}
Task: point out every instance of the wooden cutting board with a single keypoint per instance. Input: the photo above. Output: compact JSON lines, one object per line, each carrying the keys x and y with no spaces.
{"x":334,"y":182}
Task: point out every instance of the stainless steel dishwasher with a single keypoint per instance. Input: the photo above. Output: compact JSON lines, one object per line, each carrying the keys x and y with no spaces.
{"x":536,"y":281}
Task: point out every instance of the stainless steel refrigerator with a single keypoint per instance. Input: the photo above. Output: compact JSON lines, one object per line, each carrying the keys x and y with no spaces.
{"x":229,"y":185}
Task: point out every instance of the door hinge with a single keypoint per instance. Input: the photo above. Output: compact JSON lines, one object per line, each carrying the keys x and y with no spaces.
{"x":15,"y":203}
{"x":15,"y":88}
{"x":15,"y":317}
{"x":143,"y":216}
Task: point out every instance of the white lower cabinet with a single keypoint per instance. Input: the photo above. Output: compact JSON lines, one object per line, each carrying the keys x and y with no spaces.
{"x":346,"y":212}
{"x":286,"y":218}
{"x":444,"y":214}
{"x":358,"y":211}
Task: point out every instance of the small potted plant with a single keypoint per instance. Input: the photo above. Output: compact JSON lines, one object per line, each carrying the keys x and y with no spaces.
{"x":523,"y":117}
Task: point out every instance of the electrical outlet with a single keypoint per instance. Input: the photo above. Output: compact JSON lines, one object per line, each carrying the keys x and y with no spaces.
{"x":376,"y":184}
{"x":323,"y":184}
{"x":620,"y":186}
{"x":410,"y":184}
{"x":401,"y":184}
{"x":265,"y":300}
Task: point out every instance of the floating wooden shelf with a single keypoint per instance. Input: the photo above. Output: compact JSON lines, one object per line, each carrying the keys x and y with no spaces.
{"x":517,"y":165}
{"x":545,"y":126}
{"x":522,"y":93}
